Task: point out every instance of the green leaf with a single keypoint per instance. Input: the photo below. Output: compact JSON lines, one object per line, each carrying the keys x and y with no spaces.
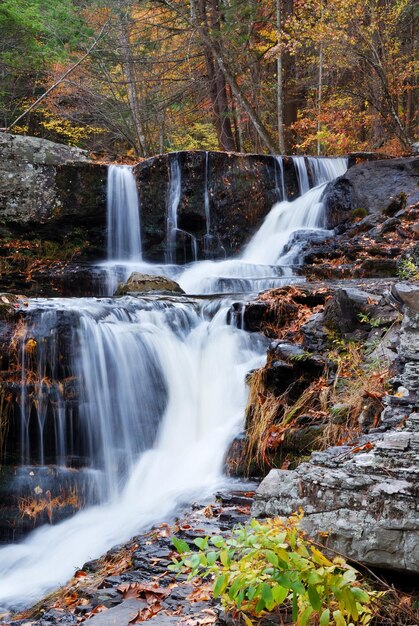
{"x":251,"y":593}
{"x":201,"y":542}
{"x":260,"y":605}
{"x":279,"y":594}
{"x":217,"y":541}
{"x":297,"y":587}
{"x":220,"y":583}
{"x":180,"y":545}
{"x":235,"y":587}
{"x":195,"y":561}
{"x":325,"y":618}
{"x":350,"y":603}
{"x":211,"y":557}
{"x":361,"y":595}
{"x":271,"y":557}
{"x":339,"y":619}
{"x":240,"y":598}
{"x":267,"y":595}
{"x":314,"y":598}
{"x":174,"y":567}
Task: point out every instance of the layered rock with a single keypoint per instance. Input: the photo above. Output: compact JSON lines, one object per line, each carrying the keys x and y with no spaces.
{"x":365,"y":494}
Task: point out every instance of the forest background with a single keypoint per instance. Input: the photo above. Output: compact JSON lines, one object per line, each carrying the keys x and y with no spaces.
{"x":152,"y":76}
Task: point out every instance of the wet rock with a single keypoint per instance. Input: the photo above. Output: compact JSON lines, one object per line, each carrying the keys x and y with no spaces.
{"x":241,"y":190}
{"x":380,"y":187}
{"x":377,"y":268}
{"x":146,"y":283}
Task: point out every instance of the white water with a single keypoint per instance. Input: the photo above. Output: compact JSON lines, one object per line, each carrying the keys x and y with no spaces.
{"x":163,"y":394}
{"x":302,"y":174}
{"x":280,"y":184}
{"x":202,"y":363}
{"x":263,"y":261}
{"x":124,"y":233}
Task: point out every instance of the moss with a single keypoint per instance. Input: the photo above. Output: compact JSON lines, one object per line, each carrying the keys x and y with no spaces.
{"x":358,"y":213}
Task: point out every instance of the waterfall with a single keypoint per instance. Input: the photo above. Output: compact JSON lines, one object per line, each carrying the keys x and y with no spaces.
{"x":173,"y":200}
{"x":124,"y":234}
{"x":206,"y":196}
{"x":302,"y":174}
{"x":144,"y":394}
{"x":174,"y":234}
{"x":280,"y":189}
{"x":265,"y":260}
{"x":163,"y":394}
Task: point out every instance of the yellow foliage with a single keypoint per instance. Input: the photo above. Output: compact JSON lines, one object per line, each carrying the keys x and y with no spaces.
{"x":72,"y":133}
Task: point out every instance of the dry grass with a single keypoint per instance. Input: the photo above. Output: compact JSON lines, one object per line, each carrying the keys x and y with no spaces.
{"x":289,"y":308}
{"x":269,"y":417}
{"x":357,"y":387}
{"x":33,"y":507}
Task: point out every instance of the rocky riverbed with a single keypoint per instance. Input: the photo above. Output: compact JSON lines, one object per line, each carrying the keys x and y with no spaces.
{"x":131,"y":583}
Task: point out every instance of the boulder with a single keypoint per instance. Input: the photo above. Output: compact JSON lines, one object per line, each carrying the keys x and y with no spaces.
{"x":365,"y":501}
{"x":148,"y":283}
{"x":381,"y":187}
{"x":44,"y":183}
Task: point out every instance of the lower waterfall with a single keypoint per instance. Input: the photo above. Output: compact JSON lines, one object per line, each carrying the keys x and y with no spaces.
{"x":161,"y":393}
{"x":193,"y":363}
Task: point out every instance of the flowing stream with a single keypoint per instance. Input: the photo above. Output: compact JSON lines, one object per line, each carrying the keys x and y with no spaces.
{"x":160,"y":389}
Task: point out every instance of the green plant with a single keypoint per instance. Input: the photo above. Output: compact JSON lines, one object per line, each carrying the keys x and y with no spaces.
{"x":359,"y":213}
{"x":268,"y":564}
{"x":374,"y":322}
{"x":408,"y":270}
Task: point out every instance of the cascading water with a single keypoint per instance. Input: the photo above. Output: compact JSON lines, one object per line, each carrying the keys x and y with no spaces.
{"x":159,"y":375}
{"x":263,"y":263}
{"x":174,"y":233}
{"x":280,"y":189}
{"x":302,"y":174}
{"x":124,"y":234}
{"x":152,"y":390}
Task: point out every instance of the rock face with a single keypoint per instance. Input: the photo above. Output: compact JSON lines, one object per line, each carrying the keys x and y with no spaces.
{"x":223,"y":199}
{"x":48,"y":189}
{"x":148,"y":283}
{"x":379,"y":187}
{"x":365,"y":494}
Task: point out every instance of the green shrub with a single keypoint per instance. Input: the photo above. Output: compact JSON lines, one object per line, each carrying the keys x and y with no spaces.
{"x":268,"y":564}
{"x":359,"y":213}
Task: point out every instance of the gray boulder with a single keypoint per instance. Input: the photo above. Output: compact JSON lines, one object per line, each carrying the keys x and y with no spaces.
{"x":379,"y":187}
{"x":148,"y":283}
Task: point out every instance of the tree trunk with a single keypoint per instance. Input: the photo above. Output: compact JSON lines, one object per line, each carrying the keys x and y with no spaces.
{"x":231,"y":80}
{"x":279,"y":78}
{"x":216,"y":79}
{"x":129,"y":71}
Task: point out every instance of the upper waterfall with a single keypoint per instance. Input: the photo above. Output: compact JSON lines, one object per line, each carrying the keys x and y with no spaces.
{"x":124,"y":232}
